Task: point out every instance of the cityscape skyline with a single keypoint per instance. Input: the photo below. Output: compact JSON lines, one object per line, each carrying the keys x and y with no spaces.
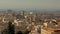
{"x":29,"y":16}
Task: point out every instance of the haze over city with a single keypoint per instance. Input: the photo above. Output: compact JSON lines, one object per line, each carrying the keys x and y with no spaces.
{"x":30,"y":4}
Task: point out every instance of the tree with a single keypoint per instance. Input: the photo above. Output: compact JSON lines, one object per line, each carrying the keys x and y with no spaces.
{"x":10,"y":28}
{"x":4,"y":31}
{"x":26,"y":32}
{"x":19,"y":32}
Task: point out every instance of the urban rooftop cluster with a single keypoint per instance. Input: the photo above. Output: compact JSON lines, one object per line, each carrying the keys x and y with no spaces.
{"x":24,"y":22}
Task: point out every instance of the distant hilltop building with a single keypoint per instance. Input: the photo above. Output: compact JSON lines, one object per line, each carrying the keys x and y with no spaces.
{"x":31,"y":12}
{"x":22,"y":13}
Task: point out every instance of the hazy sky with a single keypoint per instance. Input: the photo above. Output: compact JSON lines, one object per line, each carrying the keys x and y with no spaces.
{"x":37,"y":4}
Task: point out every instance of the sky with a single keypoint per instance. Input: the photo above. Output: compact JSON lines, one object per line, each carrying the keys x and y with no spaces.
{"x":30,"y":4}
